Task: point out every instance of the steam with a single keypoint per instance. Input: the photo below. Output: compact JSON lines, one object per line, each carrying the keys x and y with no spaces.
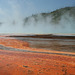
{"x":15,"y":21}
{"x":49,"y":23}
{"x":11,"y":19}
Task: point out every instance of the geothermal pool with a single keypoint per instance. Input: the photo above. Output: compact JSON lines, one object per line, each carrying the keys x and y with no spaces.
{"x":51,"y":42}
{"x":40,"y":55}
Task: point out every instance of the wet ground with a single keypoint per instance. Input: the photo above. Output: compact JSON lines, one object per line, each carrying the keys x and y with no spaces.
{"x":50,"y":44}
{"x":37,"y":56}
{"x":55,"y":44}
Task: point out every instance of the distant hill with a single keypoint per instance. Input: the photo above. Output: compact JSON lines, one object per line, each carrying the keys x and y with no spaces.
{"x":55,"y":17}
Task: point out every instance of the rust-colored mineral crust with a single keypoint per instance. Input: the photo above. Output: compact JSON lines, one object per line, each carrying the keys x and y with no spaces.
{"x":29,"y":63}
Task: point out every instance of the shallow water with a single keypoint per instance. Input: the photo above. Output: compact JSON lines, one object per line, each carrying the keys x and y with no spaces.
{"x":49,"y":44}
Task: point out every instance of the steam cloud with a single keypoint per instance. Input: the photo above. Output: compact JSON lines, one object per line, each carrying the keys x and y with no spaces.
{"x":59,"y":21}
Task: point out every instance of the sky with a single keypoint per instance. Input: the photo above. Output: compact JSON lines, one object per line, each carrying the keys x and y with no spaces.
{"x":17,"y":10}
{"x":23,"y":8}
